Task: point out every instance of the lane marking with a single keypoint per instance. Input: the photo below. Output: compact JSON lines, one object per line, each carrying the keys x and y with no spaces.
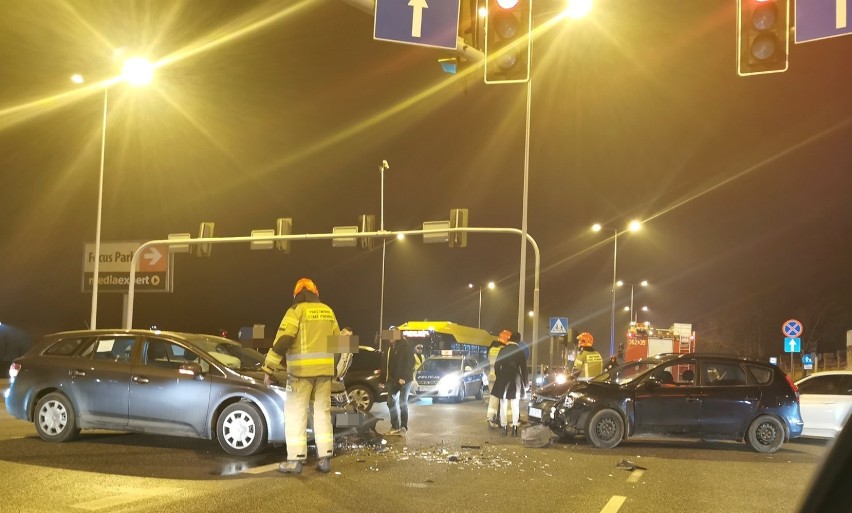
{"x":614,"y":504}
{"x":635,"y":476}
{"x":261,"y":470}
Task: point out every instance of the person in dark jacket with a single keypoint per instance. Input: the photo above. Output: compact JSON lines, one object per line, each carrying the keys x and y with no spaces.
{"x":399,"y":374}
{"x":512,"y":378}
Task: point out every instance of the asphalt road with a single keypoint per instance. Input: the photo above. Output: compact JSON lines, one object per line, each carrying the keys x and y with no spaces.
{"x":450,"y":461}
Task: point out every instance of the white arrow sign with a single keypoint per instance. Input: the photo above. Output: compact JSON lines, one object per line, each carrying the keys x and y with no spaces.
{"x":152,"y":256}
{"x":417,"y":16}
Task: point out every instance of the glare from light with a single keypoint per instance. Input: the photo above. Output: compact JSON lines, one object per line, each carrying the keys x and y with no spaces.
{"x":531,"y":313}
{"x":137,"y":71}
{"x":576,"y":9}
{"x":77,"y":78}
{"x":483,"y":12}
{"x":626,"y":308}
{"x":470,"y":285}
{"x":619,"y":283}
{"x":400,"y":236}
{"x":634,"y":226}
{"x":644,"y":283}
{"x":491,"y":285}
{"x":644,"y":308}
{"x":596,"y":227}
{"x":507,"y":4}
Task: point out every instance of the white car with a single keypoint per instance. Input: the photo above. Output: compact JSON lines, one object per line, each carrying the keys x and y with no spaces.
{"x":825,"y":400}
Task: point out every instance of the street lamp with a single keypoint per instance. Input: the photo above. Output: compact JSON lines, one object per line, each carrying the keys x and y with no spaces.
{"x":382,"y":168}
{"x":491,"y":286}
{"x":136,"y":71}
{"x":643,"y":283}
{"x":633,"y":226}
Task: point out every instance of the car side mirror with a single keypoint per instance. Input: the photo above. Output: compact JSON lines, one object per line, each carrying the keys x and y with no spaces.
{"x":191,"y":369}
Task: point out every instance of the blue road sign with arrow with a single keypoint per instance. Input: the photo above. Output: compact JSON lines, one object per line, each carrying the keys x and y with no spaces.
{"x":418,"y":22}
{"x":792,"y":345}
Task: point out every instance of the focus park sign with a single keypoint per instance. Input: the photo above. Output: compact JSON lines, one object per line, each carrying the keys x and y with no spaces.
{"x":152,"y":273}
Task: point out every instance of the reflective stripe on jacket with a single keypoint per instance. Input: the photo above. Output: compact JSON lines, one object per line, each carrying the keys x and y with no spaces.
{"x":310,"y":324}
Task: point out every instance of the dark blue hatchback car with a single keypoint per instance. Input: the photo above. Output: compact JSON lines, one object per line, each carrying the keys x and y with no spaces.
{"x":704,"y":396}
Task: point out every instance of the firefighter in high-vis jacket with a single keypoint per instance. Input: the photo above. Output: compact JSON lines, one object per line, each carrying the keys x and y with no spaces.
{"x":303,"y":338}
{"x":589,"y":362}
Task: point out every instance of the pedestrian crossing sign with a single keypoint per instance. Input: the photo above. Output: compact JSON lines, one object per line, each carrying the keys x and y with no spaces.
{"x":558,"y":326}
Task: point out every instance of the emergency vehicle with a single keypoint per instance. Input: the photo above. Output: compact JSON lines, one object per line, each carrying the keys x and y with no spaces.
{"x":437,"y":336}
{"x":643,"y":340}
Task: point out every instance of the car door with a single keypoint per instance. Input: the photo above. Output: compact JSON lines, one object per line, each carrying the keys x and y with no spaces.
{"x":825,"y":402}
{"x":100,"y":381}
{"x":668,"y":402}
{"x":729,"y":398}
{"x":162,"y":398}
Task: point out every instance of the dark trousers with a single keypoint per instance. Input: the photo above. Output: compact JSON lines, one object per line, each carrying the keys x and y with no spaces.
{"x":398,"y":404}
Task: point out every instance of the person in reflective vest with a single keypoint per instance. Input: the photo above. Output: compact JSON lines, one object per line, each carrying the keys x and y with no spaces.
{"x":303,"y":338}
{"x":493,"y":401}
{"x":589,"y":362}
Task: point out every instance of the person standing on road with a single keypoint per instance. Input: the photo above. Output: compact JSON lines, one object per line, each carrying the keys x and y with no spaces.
{"x":493,"y":401}
{"x":303,"y":338}
{"x":399,"y":374}
{"x":419,"y":358}
{"x":589,"y":362}
{"x":511,"y":382}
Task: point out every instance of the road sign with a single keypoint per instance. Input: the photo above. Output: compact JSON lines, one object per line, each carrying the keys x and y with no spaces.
{"x":558,"y":326}
{"x":152,"y":270}
{"x":792,"y":328}
{"x":792,"y":345}
{"x":418,"y":22}
{"x":807,"y":359}
{"x":821,"y":19}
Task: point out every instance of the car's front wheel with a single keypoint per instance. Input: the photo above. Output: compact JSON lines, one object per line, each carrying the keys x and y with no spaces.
{"x":460,"y":395}
{"x":241,"y":430}
{"x":765,"y":434}
{"x":54,"y":418}
{"x":361,"y":397}
{"x":605,"y":429}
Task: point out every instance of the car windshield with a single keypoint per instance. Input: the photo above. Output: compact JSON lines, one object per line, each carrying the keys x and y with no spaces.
{"x":228,"y":353}
{"x":626,"y":373}
{"x":441,"y":365}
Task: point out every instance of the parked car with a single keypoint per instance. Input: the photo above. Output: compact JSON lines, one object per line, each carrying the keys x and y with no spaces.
{"x":691,"y":395}
{"x":165,"y":383}
{"x":363,"y":380}
{"x":450,"y":377}
{"x":825,"y":399}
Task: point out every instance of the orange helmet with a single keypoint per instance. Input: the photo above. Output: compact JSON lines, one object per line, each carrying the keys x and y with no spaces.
{"x":305,"y":284}
{"x":504,"y":336}
{"x":585,"y":339}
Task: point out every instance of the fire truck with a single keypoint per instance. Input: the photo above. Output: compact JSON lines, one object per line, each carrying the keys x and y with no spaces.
{"x":643,"y":340}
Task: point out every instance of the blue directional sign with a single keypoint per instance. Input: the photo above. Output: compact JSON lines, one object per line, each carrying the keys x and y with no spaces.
{"x":418,"y":22}
{"x":807,"y":359}
{"x":558,"y":326}
{"x":792,"y":345}
{"x":821,"y":19}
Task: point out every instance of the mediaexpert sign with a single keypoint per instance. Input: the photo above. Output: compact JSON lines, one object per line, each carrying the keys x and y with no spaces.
{"x":153,"y":270}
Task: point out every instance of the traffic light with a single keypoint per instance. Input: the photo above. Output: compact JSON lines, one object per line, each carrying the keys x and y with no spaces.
{"x":458,"y":219}
{"x":204,"y":232}
{"x":283,"y":226}
{"x":368,"y":224}
{"x":508,"y":30}
{"x":763,"y":36}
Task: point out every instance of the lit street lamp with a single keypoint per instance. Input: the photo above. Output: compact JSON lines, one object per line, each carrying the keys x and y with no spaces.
{"x":643,"y":283}
{"x":633,"y":226}
{"x":137,"y":72}
{"x":491,"y":286}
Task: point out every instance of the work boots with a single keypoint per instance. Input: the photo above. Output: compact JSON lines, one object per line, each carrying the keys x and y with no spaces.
{"x":290,"y":467}
{"x":324,"y":465}
{"x":514,"y":430}
{"x":504,"y":431}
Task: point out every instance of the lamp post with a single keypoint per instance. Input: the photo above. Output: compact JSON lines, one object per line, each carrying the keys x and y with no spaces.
{"x":138,"y":72}
{"x":382,"y":168}
{"x":633,"y":226}
{"x":643,"y":283}
{"x":491,"y":286}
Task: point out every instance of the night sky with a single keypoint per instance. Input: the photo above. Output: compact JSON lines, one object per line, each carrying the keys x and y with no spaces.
{"x":268,"y":109}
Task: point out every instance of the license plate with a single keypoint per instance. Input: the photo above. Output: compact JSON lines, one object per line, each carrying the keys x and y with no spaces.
{"x":535,"y":412}
{"x":424,"y":390}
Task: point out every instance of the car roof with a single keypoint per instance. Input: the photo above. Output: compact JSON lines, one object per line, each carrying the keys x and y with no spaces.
{"x":826,"y":373}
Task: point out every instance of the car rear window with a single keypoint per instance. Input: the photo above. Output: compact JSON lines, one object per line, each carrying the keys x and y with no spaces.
{"x":763,"y":375}
{"x":66,"y":346}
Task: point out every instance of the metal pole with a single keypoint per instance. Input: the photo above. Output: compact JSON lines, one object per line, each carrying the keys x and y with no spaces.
{"x":96,"y":275}
{"x":479,"y":321}
{"x":612,"y":314}
{"x":523,"y":270}
{"x":631,"y":304}
{"x":382,"y":167}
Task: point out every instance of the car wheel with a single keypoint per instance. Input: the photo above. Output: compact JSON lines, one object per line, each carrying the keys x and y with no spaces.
{"x":55,"y":420}
{"x":765,"y":434}
{"x":605,"y":429}
{"x":241,"y":430}
{"x":479,"y":392}
{"x":460,"y":396}
{"x":361,"y":397}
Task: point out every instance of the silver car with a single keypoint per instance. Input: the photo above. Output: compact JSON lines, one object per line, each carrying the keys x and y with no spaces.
{"x":157,"y":382}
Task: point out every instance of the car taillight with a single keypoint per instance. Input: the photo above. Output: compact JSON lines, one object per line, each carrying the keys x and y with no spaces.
{"x":14,"y":369}
{"x":793,"y":386}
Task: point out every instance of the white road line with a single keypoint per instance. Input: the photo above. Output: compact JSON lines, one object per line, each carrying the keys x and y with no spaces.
{"x":614,"y":504}
{"x":635,"y":476}
{"x":261,"y":470}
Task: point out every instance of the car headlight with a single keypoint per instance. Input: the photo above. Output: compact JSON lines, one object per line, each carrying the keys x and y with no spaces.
{"x":449,"y":381}
{"x":561,"y":378}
